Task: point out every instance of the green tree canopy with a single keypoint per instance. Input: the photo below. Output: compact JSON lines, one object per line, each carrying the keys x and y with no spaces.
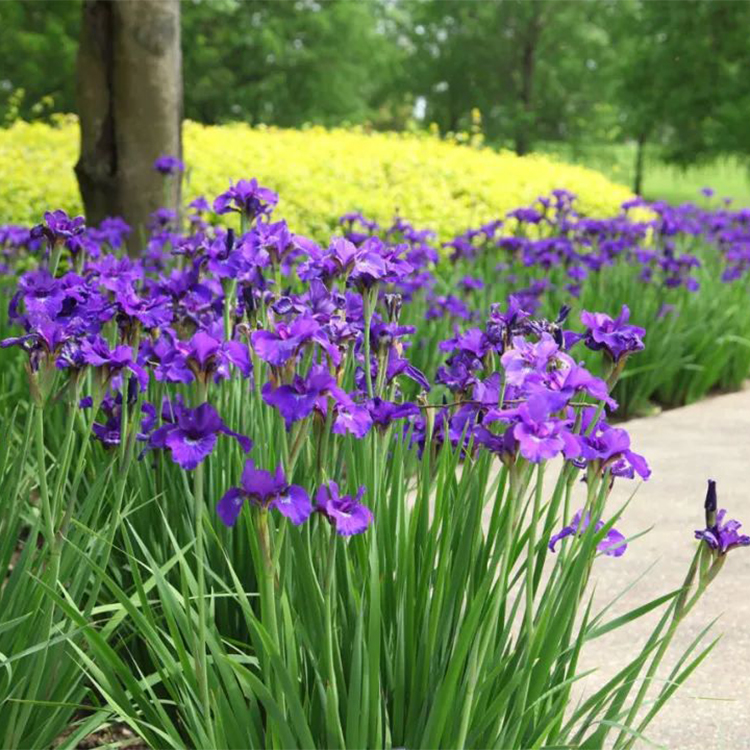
{"x":38,"y":43}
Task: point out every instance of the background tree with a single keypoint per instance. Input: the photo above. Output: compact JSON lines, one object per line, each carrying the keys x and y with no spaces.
{"x":130,"y":106}
{"x":532,"y":68}
{"x":684,"y":79}
{"x":286,"y":63}
{"x":672,"y":77}
{"x":38,"y":43}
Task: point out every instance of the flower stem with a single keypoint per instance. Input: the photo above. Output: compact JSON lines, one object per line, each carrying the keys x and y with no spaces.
{"x":367,"y":314}
{"x":532,"y":551}
{"x":200,"y":656}
{"x":680,"y":608}
{"x":41,"y":461}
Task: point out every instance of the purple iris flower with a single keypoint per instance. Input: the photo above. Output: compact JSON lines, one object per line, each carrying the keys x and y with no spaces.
{"x":111,"y":231}
{"x":96,"y":352}
{"x":470,"y":283}
{"x":576,"y":379}
{"x":615,"y":337}
{"x":347,"y":514}
{"x":541,"y":437}
{"x":152,"y":311}
{"x":528,"y":359}
{"x":503,"y":445}
{"x":59,"y":227}
{"x":450,"y":305}
{"x":396,"y":267}
{"x":200,"y":205}
{"x":46,"y":337}
{"x":109,"y":433}
{"x":351,"y":418}
{"x":163,"y":219}
{"x":354,"y":219}
{"x":202,"y":356}
{"x":473,"y":342}
{"x":247,"y":197}
{"x":279,"y":346}
{"x":383,"y":412}
{"x":611,"y":446}
{"x":613,"y":544}
{"x":457,"y":374}
{"x":526,"y":215}
{"x":297,"y":400}
{"x":720,"y":535}
{"x":190,"y":434}
{"x":265,"y":490}
{"x":168,"y":165}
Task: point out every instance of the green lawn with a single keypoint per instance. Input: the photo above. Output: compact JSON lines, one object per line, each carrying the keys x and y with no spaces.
{"x":728,"y":177}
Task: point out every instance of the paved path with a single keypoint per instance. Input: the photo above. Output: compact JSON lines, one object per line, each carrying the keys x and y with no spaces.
{"x":685,"y":447}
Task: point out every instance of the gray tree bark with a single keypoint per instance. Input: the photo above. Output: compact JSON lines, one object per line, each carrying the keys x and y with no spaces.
{"x":129,"y":87}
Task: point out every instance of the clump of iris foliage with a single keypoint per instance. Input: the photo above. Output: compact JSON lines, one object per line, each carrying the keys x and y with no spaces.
{"x":259,"y":491}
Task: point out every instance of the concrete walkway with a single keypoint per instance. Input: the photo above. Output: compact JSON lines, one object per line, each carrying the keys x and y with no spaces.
{"x":685,"y":447}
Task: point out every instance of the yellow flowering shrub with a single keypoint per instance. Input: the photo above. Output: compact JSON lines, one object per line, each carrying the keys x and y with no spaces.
{"x":318,"y":173}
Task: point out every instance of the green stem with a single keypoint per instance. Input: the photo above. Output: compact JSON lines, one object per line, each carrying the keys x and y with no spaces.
{"x":67,"y":455}
{"x":269,"y":593}
{"x":54,"y":258}
{"x":125,"y":457}
{"x":532,"y":551}
{"x":200,"y":656}
{"x":681,"y":607}
{"x":52,"y":574}
{"x":367,"y":313}
{"x":335,"y":733}
{"x":268,"y":610}
{"x":41,"y":461}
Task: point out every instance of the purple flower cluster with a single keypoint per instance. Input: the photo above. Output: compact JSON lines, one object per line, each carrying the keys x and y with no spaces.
{"x":323,"y":335}
{"x":542,"y":406}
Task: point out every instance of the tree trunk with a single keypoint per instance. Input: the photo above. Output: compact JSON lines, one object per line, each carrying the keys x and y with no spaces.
{"x":639,"y":155}
{"x":528,"y":65}
{"x":130,"y":107}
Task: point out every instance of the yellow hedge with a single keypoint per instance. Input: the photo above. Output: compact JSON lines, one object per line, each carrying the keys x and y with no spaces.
{"x":318,"y":173}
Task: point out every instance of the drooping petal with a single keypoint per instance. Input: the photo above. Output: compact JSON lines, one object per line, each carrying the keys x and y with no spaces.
{"x":566,"y":531}
{"x":230,"y":505}
{"x":294,"y":504}
{"x":613,"y":544}
{"x":245,"y":442}
{"x":352,"y":518}
{"x":187,"y":451}
{"x":291,"y":404}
